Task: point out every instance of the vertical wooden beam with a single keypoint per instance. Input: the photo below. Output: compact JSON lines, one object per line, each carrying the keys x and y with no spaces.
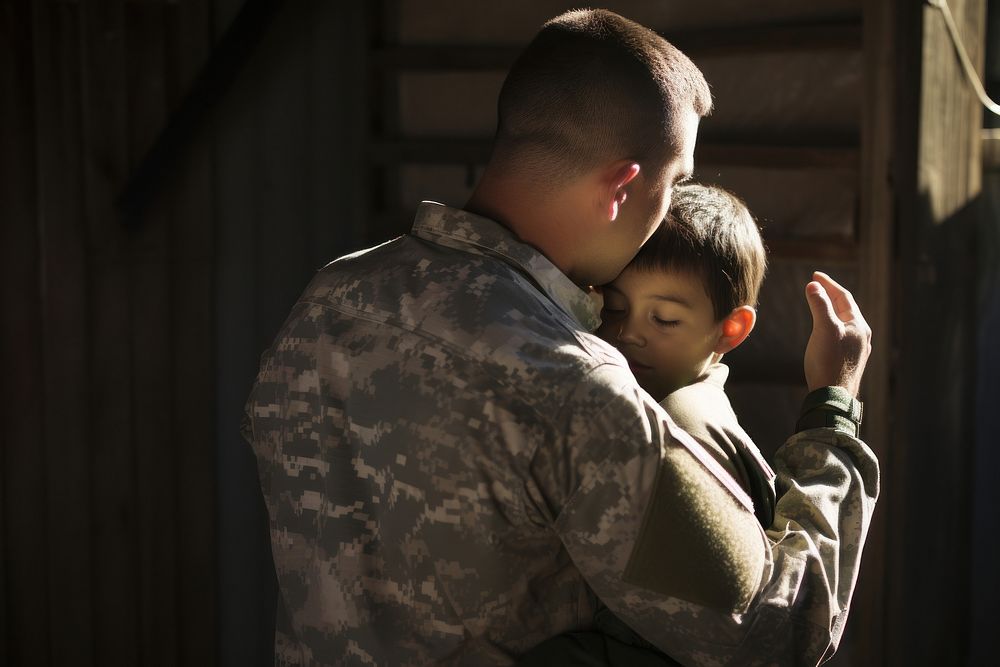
{"x":991,"y":149}
{"x":385,"y":95}
{"x":281,"y":139}
{"x":929,"y":474}
{"x":985,"y":545}
{"x":875,"y":237}
{"x":357,"y":40}
{"x":105,"y":122}
{"x":246,"y":578}
{"x":950,"y":163}
{"x":23,"y":506}
{"x":65,"y":342}
{"x":149,"y":292}
{"x":193,"y":390}
{"x":338,"y":179}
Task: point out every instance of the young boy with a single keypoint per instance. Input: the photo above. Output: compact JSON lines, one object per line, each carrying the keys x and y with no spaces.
{"x":688,"y":298}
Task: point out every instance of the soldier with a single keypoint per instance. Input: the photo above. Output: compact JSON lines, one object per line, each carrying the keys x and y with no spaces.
{"x":456,"y":469}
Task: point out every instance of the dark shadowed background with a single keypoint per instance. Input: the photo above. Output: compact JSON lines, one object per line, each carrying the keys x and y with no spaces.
{"x":172,"y":173}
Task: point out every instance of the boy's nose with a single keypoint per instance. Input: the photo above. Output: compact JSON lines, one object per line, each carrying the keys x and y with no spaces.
{"x":628,"y":334}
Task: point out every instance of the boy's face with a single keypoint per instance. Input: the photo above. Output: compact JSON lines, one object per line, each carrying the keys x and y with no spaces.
{"x":664,"y":324}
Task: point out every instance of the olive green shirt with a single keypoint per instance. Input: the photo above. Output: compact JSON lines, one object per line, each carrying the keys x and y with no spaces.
{"x":703,"y":410}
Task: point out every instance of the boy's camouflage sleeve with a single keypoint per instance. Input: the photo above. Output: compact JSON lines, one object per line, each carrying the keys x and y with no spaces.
{"x":677,"y":553}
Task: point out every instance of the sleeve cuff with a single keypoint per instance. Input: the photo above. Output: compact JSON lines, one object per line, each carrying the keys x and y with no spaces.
{"x":831,"y":407}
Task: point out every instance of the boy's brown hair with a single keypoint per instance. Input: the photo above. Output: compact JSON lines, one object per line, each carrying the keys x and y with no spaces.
{"x":709,"y":232}
{"x":593,"y":86}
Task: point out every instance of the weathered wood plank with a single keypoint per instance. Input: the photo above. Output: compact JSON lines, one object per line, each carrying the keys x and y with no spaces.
{"x":446,"y":150}
{"x":840,"y":35}
{"x":357,"y":29}
{"x":282,"y":136}
{"x":991,"y":149}
{"x":23,"y":507}
{"x":65,"y":341}
{"x":192,"y":304}
{"x":105,"y":160}
{"x":150,"y":330}
{"x":864,"y":636}
{"x":985,"y":544}
{"x":242,"y":540}
{"x":233,"y":49}
{"x":986,"y":502}
{"x":936,"y":344}
{"x":826,"y":250}
{"x":950,"y":169}
{"x":338,"y":130}
{"x":384,"y":106}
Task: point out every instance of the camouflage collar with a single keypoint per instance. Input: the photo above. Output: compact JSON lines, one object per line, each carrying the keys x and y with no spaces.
{"x":466,"y":231}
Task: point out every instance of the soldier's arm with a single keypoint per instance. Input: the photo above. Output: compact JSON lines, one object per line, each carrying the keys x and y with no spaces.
{"x":672,"y":548}
{"x":670,"y":545}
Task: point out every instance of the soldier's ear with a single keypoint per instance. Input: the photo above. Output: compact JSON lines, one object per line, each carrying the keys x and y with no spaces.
{"x":618,"y":175}
{"x":735,"y":328}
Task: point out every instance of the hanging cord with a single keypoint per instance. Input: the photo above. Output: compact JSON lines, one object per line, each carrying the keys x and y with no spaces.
{"x":970,"y":71}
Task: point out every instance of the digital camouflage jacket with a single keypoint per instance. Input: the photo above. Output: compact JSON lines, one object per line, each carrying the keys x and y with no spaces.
{"x":454,"y":468}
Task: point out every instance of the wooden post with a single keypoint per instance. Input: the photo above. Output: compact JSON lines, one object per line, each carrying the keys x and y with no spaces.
{"x":66,"y":343}
{"x":875,"y":240}
{"x":926,"y":478}
{"x":949,"y":164}
{"x":105,"y":163}
{"x":991,"y":149}
{"x":23,"y":469}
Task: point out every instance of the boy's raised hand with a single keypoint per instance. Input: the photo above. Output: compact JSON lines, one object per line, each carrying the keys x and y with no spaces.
{"x":840,"y":342}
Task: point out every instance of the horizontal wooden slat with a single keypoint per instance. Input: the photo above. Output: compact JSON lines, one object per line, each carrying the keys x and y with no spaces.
{"x":445,"y":57}
{"x":837,"y":35}
{"x":777,"y":157}
{"x":991,"y":149}
{"x":477,"y":151}
{"x":431,"y":151}
{"x":829,"y":250}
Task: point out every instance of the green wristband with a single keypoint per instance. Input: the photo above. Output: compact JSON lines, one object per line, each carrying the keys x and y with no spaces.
{"x":831,"y":407}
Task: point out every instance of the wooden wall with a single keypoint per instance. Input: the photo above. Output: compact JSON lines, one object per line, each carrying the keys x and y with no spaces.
{"x":290,"y":188}
{"x":789,"y":82}
{"x":108,"y":467}
{"x":132,"y":526}
{"x":929,"y":477}
{"x":802,"y":130}
{"x":985,"y":543}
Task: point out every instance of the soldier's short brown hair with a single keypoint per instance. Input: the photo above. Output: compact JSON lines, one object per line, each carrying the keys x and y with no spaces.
{"x":593,"y":86}
{"x":709,"y":232}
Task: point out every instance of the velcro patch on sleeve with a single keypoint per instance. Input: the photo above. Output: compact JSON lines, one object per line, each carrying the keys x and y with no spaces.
{"x":698,"y":542}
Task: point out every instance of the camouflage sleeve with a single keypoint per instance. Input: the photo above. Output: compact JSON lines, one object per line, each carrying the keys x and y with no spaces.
{"x":669,"y":542}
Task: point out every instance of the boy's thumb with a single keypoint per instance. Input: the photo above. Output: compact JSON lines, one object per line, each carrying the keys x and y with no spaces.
{"x":819,"y":304}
